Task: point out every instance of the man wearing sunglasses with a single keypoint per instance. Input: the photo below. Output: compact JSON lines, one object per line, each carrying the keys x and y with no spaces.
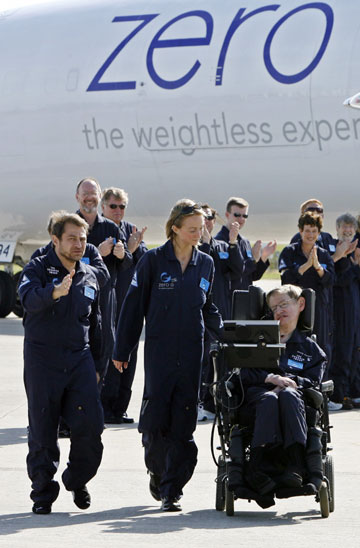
{"x":106,"y":236}
{"x":116,"y":393}
{"x":255,"y":258}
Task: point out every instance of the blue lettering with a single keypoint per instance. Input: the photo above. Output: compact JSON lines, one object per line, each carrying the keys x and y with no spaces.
{"x":236,"y":22}
{"x":179,"y":42}
{"x":95,"y":84}
{"x":292,"y":79}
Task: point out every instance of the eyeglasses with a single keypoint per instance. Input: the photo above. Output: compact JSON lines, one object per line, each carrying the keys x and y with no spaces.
{"x":243,"y":215}
{"x":282,"y":306}
{"x":209,"y":217}
{"x":187,"y":210}
{"x":115,"y":206}
{"x":315,"y":208}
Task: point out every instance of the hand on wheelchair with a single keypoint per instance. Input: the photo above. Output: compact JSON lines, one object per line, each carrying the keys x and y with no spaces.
{"x":279,"y":381}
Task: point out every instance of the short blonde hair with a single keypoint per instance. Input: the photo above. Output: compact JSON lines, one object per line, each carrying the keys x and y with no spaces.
{"x":183,"y":208}
{"x":117,"y":193}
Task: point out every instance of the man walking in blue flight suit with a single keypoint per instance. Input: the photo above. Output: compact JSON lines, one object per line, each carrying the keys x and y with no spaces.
{"x":62,"y":324}
{"x":255,"y":258}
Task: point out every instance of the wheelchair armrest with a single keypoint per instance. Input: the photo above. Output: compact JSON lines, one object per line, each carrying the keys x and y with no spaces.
{"x":327,"y":387}
{"x":313,"y":397}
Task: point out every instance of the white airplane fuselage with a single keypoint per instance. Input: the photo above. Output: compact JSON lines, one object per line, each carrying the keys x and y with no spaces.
{"x":205,"y":100}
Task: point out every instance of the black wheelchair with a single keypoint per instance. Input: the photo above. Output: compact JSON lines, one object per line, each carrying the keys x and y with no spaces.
{"x":250,"y":342}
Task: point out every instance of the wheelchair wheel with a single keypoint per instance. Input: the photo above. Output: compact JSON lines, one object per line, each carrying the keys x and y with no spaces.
{"x":324,"y":500}
{"x":229,"y":501}
{"x":329,"y":474}
{"x":220,"y":485}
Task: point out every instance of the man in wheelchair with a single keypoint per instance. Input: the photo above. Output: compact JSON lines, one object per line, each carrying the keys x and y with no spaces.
{"x":273,"y":425}
{"x":277,"y":399}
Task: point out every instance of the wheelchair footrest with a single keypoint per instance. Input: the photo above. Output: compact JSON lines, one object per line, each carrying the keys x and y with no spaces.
{"x":287,"y":492}
{"x":265,"y":501}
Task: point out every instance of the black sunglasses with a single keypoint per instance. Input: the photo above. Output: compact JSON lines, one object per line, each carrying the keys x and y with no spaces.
{"x":187,"y":210}
{"x":209,"y":217}
{"x":243,"y":215}
{"x":317,"y":209}
{"x":115,"y":206}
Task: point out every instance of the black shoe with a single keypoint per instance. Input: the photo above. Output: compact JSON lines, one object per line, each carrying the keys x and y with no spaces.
{"x":126,"y":419}
{"x":260,"y":482}
{"x":82,"y":498}
{"x":347,"y":404}
{"x":154,"y":486}
{"x":41,"y":508}
{"x":123,"y":419}
{"x":170,"y":504}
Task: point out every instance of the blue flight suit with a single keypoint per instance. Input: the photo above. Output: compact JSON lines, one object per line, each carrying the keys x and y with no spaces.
{"x":175,"y":305}
{"x":100,"y":231}
{"x":251,"y":270}
{"x":91,"y":257}
{"x":291,"y":258}
{"x":116,"y":392}
{"x":344,"y":369}
{"x":325,"y":240}
{"x":280,"y":417}
{"x":62,"y":340}
{"x":228,"y":262}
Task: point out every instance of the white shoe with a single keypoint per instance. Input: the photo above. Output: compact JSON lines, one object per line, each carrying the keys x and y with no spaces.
{"x":201,"y":415}
{"x":332,"y":406}
{"x":356,"y":400}
{"x":209,"y":415}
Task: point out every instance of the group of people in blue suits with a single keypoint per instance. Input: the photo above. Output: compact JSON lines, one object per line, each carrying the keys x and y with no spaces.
{"x":182,"y":290}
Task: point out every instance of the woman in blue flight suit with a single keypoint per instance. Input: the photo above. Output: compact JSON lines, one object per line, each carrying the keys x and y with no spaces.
{"x":171,"y":288}
{"x":280,"y":411}
{"x":307,"y":265}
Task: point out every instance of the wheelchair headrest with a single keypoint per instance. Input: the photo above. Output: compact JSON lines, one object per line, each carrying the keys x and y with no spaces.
{"x":251,"y":305}
{"x":248,"y":305}
{"x":307,"y":316}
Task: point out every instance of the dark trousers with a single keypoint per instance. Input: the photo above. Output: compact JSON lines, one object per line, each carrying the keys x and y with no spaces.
{"x":344,"y":370}
{"x":279,"y":417}
{"x":116,"y":391}
{"x":71,"y":393}
{"x":170,"y":451}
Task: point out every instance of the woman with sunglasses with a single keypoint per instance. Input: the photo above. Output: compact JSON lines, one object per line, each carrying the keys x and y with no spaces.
{"x":171,"y":289}
{"x":306,"y":264}
{"x":325,"y":240}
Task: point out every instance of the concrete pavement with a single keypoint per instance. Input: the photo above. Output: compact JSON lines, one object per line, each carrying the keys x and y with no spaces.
{"x":124,"y":514}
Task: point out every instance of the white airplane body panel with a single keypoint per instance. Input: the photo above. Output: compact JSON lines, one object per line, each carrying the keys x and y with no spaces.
{"x":210,"y":109}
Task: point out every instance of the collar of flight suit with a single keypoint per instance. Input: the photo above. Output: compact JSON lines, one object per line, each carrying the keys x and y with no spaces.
{"x":55,"y":261}
{"x":170,"y":254}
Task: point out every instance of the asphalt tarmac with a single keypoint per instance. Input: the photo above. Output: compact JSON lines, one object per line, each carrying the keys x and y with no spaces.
{"x":123,"y":513}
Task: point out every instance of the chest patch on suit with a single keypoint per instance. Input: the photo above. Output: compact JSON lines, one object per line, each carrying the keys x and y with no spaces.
{"x":249,"y":253}
{"x":89,"y":292}
{"x":332,"y":248}
{"x":223,"y":254}
{"x":52,"y":270}
{"x":204,"y":284}
{"x":85,"y":260}
{"x":166,"y":281}
{"x":296,"y":364}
